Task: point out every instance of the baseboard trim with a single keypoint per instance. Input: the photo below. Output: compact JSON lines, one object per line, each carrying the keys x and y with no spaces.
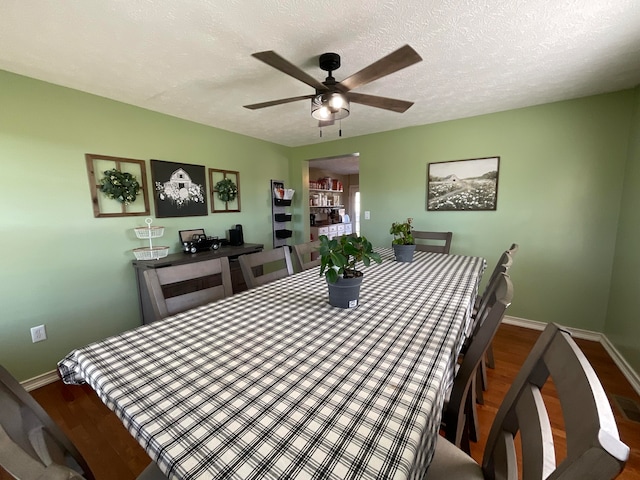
{"x":623,"y":365}
{"x":536,"y":325}
{"x":629,"y":373}
{"x":40,"y":380}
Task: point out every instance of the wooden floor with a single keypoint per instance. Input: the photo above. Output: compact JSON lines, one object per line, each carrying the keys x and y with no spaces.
{"x":113,"y":454}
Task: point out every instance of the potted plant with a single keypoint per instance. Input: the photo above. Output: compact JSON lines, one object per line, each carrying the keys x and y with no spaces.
{"x":338,"y":261}
{"x":403,"y":244}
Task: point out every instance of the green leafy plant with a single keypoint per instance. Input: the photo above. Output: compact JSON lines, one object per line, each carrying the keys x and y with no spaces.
{"x":338,"y":257}
{"x":401,"y":232}
{"x":227,"y":190}
{"x":120,"y":186}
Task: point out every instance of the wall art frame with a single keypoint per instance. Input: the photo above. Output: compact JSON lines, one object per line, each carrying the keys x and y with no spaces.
{"x":217,"y":204}
{"x":463,"y":185}
{"x":104,"y":207}
{"x":179,"y":189}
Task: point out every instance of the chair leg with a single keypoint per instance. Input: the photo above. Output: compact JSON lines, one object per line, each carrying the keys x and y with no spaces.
{"x":481,"y":383}
{"x":491,"y":363}
{"x":465,"y":446}
{"x":471,"y":420}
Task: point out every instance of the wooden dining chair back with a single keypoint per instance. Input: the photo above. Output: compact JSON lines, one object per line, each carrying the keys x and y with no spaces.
{"x":31,"y":443}
{"x":593,"y":446}
{"x":178,"y":288}
{"x":266,"y":266}
{"x":594,"y":449}
{"x":503,"y":265}
{"x":306,"y":255}
{"x":459,"y":418}
{"x":438,"y":242}
{"x":488,"y":295}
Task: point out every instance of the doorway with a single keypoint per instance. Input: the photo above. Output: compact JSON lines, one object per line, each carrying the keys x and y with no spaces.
{"x":354,"y":200}
{"x":334,"y":192}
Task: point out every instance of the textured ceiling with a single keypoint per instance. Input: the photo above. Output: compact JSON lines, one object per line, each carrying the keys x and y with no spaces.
{"x":192,"y":58}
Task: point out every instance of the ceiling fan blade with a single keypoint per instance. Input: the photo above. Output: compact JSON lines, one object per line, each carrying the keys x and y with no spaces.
{"x":255,"y":106}
{"x":401,"y":58}
{"x":393,"y":104}
{"x":274,"y":60}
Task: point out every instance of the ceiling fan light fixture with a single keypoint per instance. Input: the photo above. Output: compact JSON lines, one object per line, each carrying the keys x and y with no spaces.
{"x":330,"y":106}
{"x":322,"y":113}
{"x":336,"y":101}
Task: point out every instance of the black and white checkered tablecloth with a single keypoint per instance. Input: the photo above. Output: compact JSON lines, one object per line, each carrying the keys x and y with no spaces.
{"x":275,"y":383}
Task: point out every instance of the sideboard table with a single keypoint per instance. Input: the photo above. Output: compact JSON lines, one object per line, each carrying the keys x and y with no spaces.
{"x":231,"y":252}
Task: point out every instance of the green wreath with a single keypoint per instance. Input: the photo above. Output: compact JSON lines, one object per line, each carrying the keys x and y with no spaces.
{"x":227,"y":190}
{"x":120,"y":186}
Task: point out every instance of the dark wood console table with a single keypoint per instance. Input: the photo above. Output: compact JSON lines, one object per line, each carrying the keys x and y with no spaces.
{"x":232,"y":252}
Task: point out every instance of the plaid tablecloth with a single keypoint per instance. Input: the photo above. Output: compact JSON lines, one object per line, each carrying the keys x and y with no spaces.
{"x":275,"y":383}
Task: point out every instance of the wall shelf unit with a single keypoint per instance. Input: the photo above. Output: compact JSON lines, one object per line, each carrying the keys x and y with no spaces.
{"x":280,"y":216}
{"x":322,"y":198}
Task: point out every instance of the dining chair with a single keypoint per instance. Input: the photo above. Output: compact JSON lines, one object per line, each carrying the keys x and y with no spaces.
{"x":178,"y":288}
{"x":459,"y":417}
{"x":482,"y":382}
{"x":277,"y":262}
{"x":31,"y":443}
{"x":504,"y":264}
{"x":304,"y":255}
{"x":442,"y":241}
{"x":32,"y":446}
{"x":593,"y":446}
{"x":487,"y":299}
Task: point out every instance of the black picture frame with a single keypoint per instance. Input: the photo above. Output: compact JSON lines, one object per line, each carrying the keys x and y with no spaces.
{"x":180,"y":189}
{"x":463,"y":185}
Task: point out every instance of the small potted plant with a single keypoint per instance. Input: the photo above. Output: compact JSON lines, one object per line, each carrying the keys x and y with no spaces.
{"x":403,"y":243}
{"x":338,"y":262}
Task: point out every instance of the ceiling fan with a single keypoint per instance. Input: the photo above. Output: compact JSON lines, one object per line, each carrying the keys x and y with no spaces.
{"x":331,"y":100}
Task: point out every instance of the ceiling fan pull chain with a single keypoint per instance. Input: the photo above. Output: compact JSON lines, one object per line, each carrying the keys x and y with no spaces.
{"x":340,"y":131}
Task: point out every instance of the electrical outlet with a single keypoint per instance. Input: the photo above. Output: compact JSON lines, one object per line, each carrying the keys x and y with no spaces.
{"x":38,"y":334}
{"x":367,"y":215}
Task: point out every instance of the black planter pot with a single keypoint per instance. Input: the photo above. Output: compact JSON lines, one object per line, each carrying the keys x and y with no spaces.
{"x":404,"y":253}
{"x":345,"y":293}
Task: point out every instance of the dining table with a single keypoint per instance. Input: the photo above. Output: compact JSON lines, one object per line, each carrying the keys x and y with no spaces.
{"x":275,"y":383}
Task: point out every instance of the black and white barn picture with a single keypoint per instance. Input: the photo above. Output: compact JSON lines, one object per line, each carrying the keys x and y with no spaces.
{"x":180,"y":189}
{"x":463,"y":184}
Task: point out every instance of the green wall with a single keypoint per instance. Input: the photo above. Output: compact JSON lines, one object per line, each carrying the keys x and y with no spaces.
{"x":562,"y":169}
{"x":61,"y":266}
{"x":566,"y":169}
{"x":623,"y":320}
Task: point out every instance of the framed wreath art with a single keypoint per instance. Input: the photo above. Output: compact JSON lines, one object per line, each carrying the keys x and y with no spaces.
{"x":225,"y":190}
{"x":118,"y":186}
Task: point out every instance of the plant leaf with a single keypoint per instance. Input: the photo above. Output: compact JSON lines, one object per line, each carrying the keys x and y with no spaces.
{"x":332,"y":275}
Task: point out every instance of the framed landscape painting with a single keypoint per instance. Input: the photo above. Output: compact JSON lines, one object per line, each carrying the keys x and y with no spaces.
{"x":463,"y":184}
